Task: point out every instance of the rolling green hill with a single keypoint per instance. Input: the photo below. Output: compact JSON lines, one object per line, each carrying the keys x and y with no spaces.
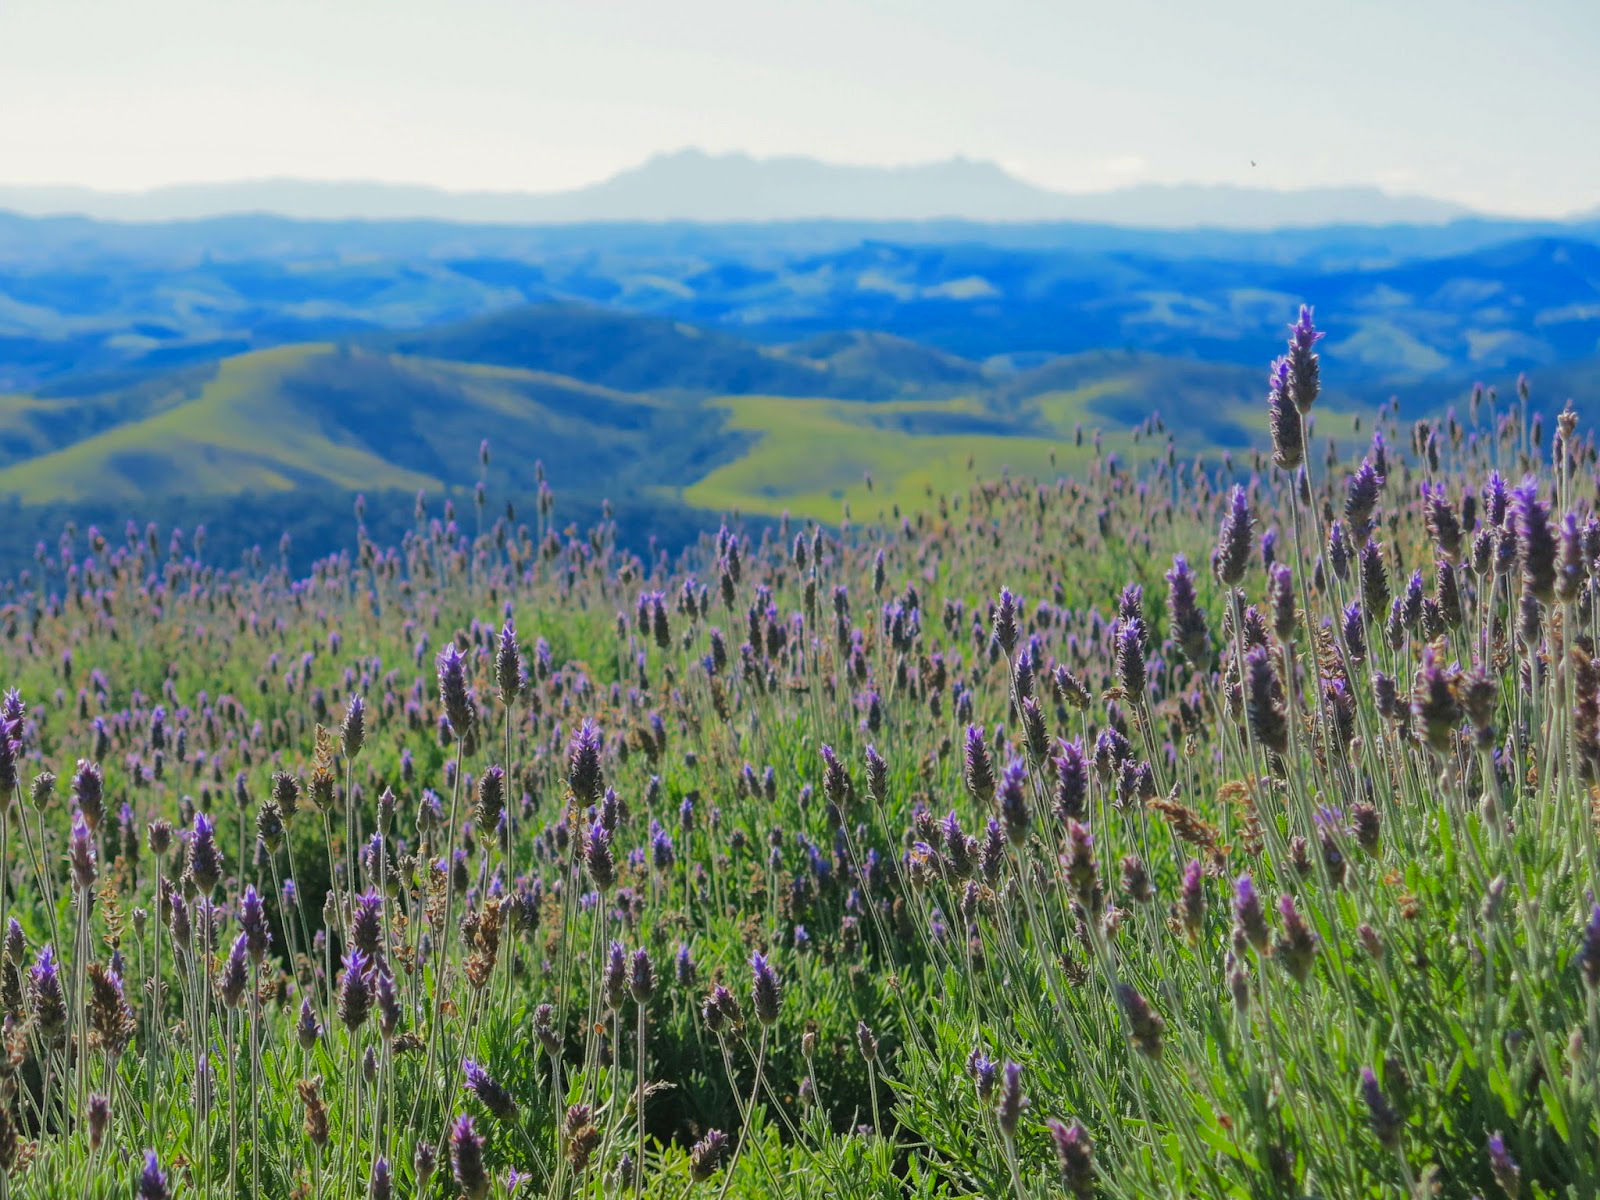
{"x":659,"y":416}
{"x":322,"y":416}
{"x":624,"y":351}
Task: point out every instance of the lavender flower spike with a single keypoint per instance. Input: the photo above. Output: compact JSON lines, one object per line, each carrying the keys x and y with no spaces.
{"x":1009,"y":1111}
{"x":1304,"y":372}
{"x":1188,"y":621}
{"x":1075,"y":1156}
{"x":81,"y":853}
{"x":765,"y":991}
{"x":1232,"y":554}
{"x":153,"y":1180}
{"x":466,"y":1158}
{"x":460,"y":709}
{"x":493,"y":1096}
{"x":1283,"y":419}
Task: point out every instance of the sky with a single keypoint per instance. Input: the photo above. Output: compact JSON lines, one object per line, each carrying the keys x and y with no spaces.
{"x":1494,"y":105}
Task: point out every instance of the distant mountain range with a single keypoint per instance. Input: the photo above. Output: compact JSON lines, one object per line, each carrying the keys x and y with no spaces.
{"x":692,"y":185}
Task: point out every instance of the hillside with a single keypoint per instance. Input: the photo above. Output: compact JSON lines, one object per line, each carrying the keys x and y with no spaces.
{"x":619,"y":350}
{"x":328,"y":417}
{"x":661,"y":417}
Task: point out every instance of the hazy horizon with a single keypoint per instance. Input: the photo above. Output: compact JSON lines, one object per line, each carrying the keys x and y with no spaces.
{"x":1464,"y":103}
{"x":671,"y":152}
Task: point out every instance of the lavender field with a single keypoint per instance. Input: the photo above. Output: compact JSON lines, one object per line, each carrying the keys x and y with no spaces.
{"x":1173,"y":828}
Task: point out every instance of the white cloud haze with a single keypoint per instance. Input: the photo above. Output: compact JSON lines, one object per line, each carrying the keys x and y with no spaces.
{"x":1488,"y":104}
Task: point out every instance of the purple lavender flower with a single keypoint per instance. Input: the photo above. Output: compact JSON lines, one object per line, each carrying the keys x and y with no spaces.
{"x":88,"y":792}
{"x":1385,"y":1122}
{"x":460,"y":708}
{"x":1496,"y":499}
{"x":1072,"y":781}
{"x":1075,"y":1157}
{"x":1339,"y":550}
{"x":508,"y":665}
{"x":388,"y":999}
{"x":355,"y":993}
{"x":1232,"y":554}
{"x":977,"y":767}
{"x":466,"y":1158}
{"x":381,"y":1186}
{"x":253,"y":921}
{"x":46,"y":1002}
{"x":9,"y":749}
{"x":491,"y":801}
{"x":1283,"y":418}
{"x":1442,"y":522}
{"x":1302,"y":361}
{"x":1262,"y":708}
{"x":765,"y":991}
{"x":641,"y":976}
{"x":720,"y":1009}
{"x":1361,"y":497}
{"x":992,"y":861}
{"x":614,"y":977}
{"x":490,"y":1094}
{"x":877,"y":776}
{"x":1589,"y":951}
{"x":598,"y":857}
{"x":235,"y":976}
{"x":99,"y":1119}
{"x":353,"y":732}
{"x":706,"y":1155}
{"x":1005,"y":621}
{"x":81,"y":852}
{"x":366,"y":924}
{"x":661,"y":850}
{"x":983,"y":1072}
{"x":1082,"y":873}
{"x":1146,"y":1026}
{"x":1009,"y":1110}
{"x":153,"y":1180}
{"x":1573,"y":566}
{"x":866,"y":1042}
{"x":1188,"y":621}
{"x":1248,"y":914}
{"x":1130,"y":661}
{"x":1503,"y":1167}
{"x":544,"y":1029}
{"x":205,"y":859}
{"x":835,"y":779}
{"x":1192,"y":903}
{"x":583,"y":764}
{"x":1536,"y":544}
{"x":423,"y":1161}
{"x":1296,"y":950}
{"x":1355,"y":637}
{"x":1374,"y":580}
{"x":1014,"y":802}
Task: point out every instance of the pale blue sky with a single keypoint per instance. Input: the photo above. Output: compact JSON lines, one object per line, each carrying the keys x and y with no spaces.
{"x":1495,"y":105}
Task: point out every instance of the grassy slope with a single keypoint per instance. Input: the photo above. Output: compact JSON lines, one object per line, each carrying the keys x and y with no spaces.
{"x":813,"y":457}
{"x":316,"y":416}
{"x":342,"y":418}
{"x":235,"y":437}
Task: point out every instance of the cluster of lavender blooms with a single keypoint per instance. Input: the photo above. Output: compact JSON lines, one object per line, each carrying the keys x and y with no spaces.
{"x":885,"y":860}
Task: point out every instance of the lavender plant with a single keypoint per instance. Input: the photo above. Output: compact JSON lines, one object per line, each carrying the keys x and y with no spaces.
{"x":994,"y":849}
